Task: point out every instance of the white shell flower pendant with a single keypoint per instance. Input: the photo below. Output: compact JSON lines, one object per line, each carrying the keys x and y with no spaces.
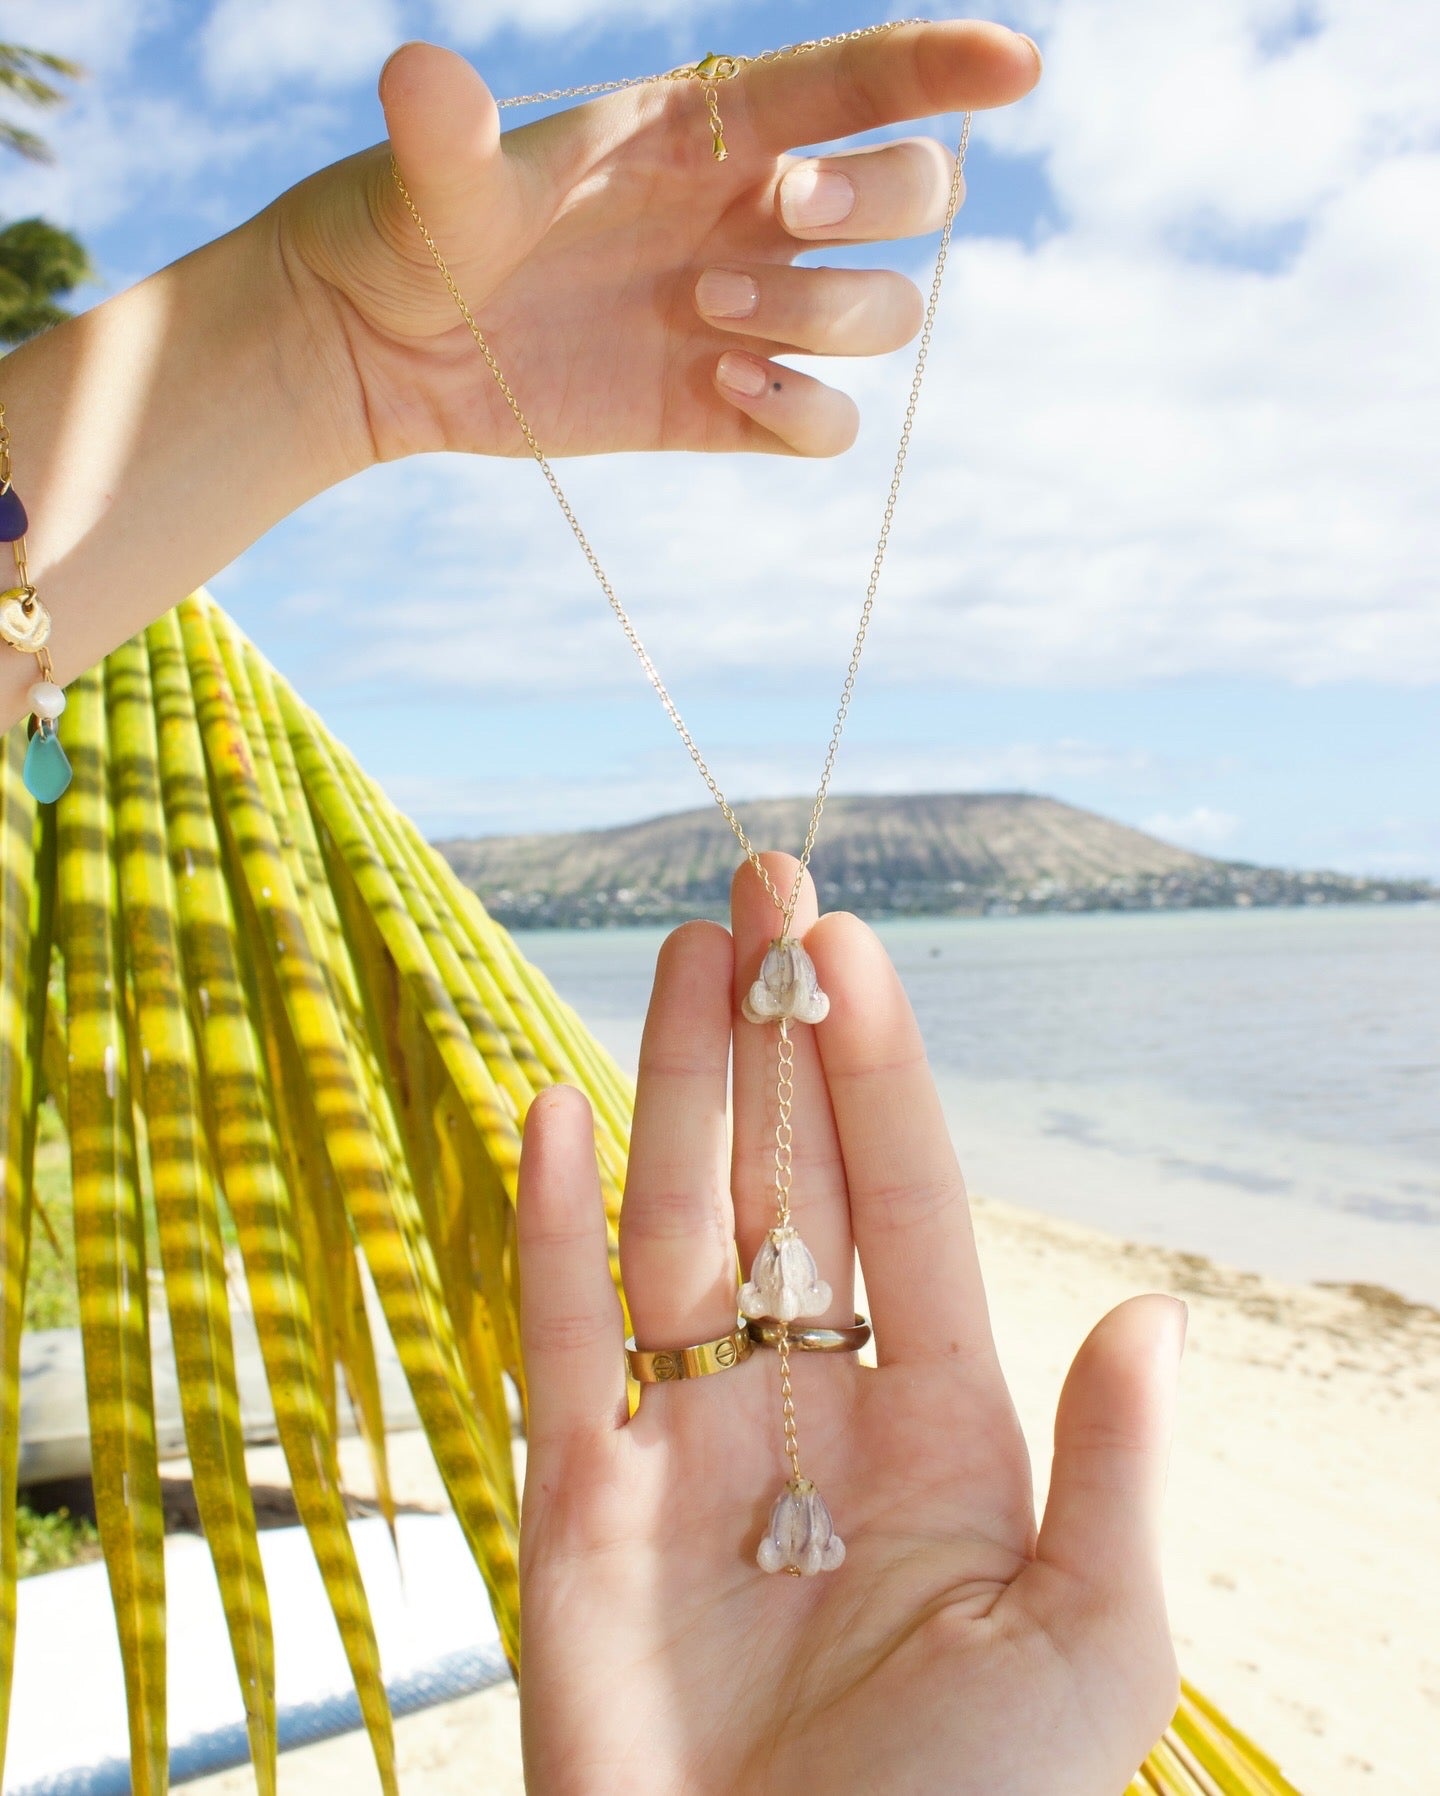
{"x":784,"y":1282}
{"x":801,"y":1537}
{"x":787,"y":987}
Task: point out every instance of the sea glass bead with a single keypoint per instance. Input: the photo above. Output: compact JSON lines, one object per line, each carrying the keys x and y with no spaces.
{"x":784,"y":1282}
{"x":787,"y":987}
{"x":47,"y":768}
{"x":801,"y":1536}
{"x":13,"y":522}
{"x":46,"y":699}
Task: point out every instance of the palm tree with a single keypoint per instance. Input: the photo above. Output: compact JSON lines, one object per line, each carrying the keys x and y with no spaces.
{"x":37,"y":261}
{"x":281,"y":1018}
{"x":19,"y":80}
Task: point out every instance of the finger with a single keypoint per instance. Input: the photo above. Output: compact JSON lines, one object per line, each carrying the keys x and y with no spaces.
{"x":1112,"y":1441}
{"x":796,"y":411}
{"x":444,"y":130}
{"x":817,"y":1199}
{"x":868,"y":196}
{"x":677,"y":1229}
{"x":914,"y":71}
{"x":572,"y":1331}
{"x":908,"y":1208}
{"x":821,"y":311}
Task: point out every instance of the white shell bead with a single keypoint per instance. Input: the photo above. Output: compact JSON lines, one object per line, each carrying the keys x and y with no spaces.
{"x":801,"y":1536}
{"x":784,"y":1281}
{"x":46,"y":699}
{"x":787,"y":987}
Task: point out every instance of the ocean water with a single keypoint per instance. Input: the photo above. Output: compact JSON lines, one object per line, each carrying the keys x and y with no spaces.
{"x":1259,"y":1086}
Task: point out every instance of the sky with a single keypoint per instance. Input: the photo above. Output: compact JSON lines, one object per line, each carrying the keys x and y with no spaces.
{"x":1169,"y":537}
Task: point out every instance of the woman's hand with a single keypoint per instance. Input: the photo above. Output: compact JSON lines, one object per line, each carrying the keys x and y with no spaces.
{"x":589,"y":244}
{"x":954,"y":1650}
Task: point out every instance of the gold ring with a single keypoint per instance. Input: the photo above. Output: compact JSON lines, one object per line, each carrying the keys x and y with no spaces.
{"x":766,"y":1333}
{"x":667,"y":1363}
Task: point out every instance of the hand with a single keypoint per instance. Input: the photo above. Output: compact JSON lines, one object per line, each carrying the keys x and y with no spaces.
{"x":954,"y":1651}
{"x":579,"y":240}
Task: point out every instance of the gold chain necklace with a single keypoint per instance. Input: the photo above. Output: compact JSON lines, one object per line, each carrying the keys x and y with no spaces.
{"x":784,"y":1281}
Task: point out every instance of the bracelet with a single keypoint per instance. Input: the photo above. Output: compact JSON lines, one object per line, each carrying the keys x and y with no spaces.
{"x":25,"y":625}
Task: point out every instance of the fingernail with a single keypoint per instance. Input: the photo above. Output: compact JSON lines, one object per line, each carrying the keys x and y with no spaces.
{"x":811,"y":196}
{"x":1039,"y":59}
{"x":742,"y":374}
{"x":1184,"y":1322}
{"x":726,"y":293}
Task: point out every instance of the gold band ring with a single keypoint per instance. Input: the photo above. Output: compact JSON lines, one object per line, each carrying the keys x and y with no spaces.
{"x":667,"y":1363}
{"x":766,"y":1333}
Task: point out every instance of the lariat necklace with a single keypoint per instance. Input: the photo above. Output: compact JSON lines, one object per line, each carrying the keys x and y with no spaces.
{"x":784,"y":1283}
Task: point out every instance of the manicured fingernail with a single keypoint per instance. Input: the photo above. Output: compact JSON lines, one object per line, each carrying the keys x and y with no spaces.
{"x":1184,"y":1321}
{"x":726,"y":293}
{"x":811,"y":196}
{"x":742,"y":374}
{"x":1039,"y":59}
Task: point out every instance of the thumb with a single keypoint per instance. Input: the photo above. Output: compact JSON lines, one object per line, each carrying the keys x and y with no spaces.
{"x":444,"y":129}
{"x":1112,"y":1445}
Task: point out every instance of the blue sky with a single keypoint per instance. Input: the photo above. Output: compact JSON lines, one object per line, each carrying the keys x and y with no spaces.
{"x":1168,"y":544}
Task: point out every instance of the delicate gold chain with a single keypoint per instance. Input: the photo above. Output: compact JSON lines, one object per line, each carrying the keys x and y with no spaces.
{"x":710,"y":70}
{"x":787,"y":1401}
{"x":784,"y":1134}
{"x":721,"y":68}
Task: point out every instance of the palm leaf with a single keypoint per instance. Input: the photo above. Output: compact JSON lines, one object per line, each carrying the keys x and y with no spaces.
{"x":334,"y":1048}
{"x":25,"y":925}
{"x":109,"y":1234}
{"x":186,"y":1201}
{"x":240,"y":1100}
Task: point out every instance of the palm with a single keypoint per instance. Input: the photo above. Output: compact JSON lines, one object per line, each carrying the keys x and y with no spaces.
{"x":655,"y":1656}
{"x":578,"y":240}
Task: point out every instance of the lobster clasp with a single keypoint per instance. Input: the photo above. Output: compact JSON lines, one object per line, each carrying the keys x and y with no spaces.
{"x":718,"y":68}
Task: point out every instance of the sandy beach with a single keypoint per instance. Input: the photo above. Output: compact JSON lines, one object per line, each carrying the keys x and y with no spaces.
{"x":1303,"y":1515}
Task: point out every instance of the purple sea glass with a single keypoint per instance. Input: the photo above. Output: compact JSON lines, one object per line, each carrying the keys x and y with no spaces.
{"x":13,"y":522}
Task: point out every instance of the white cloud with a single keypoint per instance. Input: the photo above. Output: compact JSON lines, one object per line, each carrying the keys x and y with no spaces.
{"x":475,"y":21}
{"x":116,"y":147}
{"x":249,"y":47}
{"x":1201,"y":828}
{"x":101,"y":35}
{"x":1251,"y":111}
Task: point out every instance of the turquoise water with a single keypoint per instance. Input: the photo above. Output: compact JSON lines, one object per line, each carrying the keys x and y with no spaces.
{"x":1260,"y":1086}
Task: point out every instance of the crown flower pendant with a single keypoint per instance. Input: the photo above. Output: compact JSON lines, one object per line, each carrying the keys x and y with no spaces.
{"x":787,"y":987}
{"x":784,"y":1282}
{"x":801,"y":1537}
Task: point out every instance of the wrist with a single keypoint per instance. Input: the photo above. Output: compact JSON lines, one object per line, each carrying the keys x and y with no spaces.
{"x":156,"y":436}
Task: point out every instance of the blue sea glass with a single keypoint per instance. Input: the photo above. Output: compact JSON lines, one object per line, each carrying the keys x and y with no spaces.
{"x":47,"y":768}
{"x":13,"y":522}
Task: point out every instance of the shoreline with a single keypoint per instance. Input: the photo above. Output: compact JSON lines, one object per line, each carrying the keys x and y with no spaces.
{"x":1301,"y":1599}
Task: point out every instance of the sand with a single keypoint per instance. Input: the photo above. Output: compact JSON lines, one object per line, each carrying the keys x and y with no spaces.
{"x":1303,"y":1555}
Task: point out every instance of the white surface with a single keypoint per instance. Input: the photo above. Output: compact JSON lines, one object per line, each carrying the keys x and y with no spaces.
{"x":431,"y":1605}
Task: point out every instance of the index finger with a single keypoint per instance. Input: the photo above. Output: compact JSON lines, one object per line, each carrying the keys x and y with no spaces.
{"x":910,"y":72}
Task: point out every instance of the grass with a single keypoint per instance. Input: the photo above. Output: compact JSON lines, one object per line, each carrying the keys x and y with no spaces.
{"x":50,"y":1542}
